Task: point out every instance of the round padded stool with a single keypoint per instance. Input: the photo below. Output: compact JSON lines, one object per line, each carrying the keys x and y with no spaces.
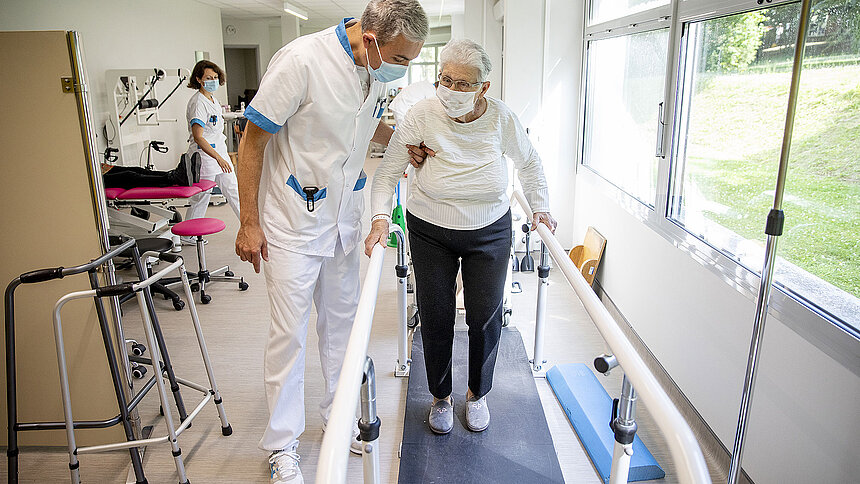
{"x":197,"y":228}
{"x":150,"y":244}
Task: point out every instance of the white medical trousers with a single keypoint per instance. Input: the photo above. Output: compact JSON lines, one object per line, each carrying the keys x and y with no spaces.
{"x":293,"y":281}
{"x":229,"y":188}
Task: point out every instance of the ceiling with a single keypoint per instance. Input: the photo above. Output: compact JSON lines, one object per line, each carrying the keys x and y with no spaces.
{"x":322,"y":13}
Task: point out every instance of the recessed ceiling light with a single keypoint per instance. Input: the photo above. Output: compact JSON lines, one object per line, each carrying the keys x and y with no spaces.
{"x":293,"y":10}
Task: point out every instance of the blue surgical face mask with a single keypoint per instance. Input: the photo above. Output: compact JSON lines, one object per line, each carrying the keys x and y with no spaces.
{"x":211,"y":85}
{"x":386,"y":72}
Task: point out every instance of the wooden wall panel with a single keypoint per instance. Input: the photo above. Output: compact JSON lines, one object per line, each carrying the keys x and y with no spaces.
{"x":47,"y":220}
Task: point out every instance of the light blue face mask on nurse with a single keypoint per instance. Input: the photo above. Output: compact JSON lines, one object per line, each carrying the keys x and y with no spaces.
{"x":386,"y":72}
{"x":211,"y":85}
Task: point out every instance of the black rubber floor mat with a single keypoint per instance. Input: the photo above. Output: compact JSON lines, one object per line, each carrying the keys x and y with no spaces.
{"x":516,"y":448}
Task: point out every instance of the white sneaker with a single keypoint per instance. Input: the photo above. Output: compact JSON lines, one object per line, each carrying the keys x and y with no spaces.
{"x":284,"y":467}
{"x":355,"y":445}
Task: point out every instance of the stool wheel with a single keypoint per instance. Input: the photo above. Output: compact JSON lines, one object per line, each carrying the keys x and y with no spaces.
{"x":205,"y":298}
{"x":138,"y":372}
{"x":138,"y":349}
{"x":178,"y":304}
{"x":195,"y":287}
{"x":229,"y":274}
{"x":243,"y":286}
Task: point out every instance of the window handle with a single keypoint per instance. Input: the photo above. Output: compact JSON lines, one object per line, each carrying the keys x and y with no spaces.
{"x":661,"y":128}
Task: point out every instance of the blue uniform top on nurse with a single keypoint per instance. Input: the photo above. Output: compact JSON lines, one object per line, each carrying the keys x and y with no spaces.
{"x":318,"y":107}
{"x":206,"y":137}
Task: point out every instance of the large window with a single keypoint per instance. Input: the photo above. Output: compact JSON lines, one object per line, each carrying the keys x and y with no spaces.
{"x":603,"y":10}
{"x":624,"y":89}
{"x":728,"y":95}
{"x":737,"y":72}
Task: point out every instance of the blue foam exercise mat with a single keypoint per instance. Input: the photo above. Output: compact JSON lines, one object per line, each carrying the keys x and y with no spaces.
{"x":588,"y":407}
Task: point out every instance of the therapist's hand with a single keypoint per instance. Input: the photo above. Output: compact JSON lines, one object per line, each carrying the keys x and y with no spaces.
{"x":225,"y":165}
{"x":251,"y":245}
{"x":378,"y":235}
{"x":544,"y":218}
{"x":418,"y":154}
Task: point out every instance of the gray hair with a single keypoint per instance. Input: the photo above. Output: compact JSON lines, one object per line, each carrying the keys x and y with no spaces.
{"x":468,"y":53}
{"x":390,"y":18}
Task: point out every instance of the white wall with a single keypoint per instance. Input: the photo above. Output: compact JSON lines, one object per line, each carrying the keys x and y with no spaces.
{"x":125,"y":34}
{"x":290,"y":29}
{"x":275,"y":40}
{"x":253,"y":33}
{"x":479,"y":25}
{"x":542,"y":62}
{"x":555,"y":128}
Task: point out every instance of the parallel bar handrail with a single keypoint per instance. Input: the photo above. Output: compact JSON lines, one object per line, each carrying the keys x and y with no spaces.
{"x":688,"y":458}
{"x":332,"y":464}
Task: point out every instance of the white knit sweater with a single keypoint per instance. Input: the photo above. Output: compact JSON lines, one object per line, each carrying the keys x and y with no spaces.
{"x":465,"y":185}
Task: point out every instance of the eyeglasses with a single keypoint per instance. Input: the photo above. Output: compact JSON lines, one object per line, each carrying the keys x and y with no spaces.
{"x":457,"y":85}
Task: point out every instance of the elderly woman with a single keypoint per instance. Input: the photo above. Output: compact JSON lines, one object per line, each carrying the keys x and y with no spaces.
{"x":459,"y":217}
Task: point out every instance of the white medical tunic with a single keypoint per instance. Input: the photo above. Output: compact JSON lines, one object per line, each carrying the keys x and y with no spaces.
{"x":206,"y":113}
{"x":311,"y":99}
{"x":410,"y":96}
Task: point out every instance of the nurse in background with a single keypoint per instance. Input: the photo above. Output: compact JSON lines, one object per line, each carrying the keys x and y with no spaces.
{"x":206,"y":127}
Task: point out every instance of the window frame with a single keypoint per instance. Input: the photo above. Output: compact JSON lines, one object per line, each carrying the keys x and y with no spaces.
{"x":437,"y":48}
{"x":649,"y":206}
{"x":828,"y":333}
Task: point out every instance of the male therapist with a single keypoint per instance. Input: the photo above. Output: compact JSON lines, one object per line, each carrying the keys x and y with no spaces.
{"x":300,"y":176}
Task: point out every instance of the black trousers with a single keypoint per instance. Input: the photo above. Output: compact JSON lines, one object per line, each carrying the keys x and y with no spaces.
{"x":437,"y":254}
{"x":135,"y":176}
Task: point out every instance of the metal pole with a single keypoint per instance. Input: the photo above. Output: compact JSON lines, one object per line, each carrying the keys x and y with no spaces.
{"x":369,"y":424}
{"x":540,"y":312}
{"x":624,"y":425}
{"x":88,"y":131}
{"x":401,"y":368}
{"x":773,"y":229}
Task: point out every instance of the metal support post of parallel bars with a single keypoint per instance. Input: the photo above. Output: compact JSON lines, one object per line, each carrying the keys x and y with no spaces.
{"x":368,"y":425}
{"x":540,"y":312}
{"x":624,"y":425}
{"x":401,"y":367}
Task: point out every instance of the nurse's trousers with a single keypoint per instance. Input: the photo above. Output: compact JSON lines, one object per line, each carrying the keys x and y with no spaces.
{"x":293,"y":282}
{"x":229,"y":188}
{"x":437,"y":254}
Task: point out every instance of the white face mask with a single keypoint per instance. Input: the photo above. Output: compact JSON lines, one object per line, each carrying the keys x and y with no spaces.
{"x":456,"y":103}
